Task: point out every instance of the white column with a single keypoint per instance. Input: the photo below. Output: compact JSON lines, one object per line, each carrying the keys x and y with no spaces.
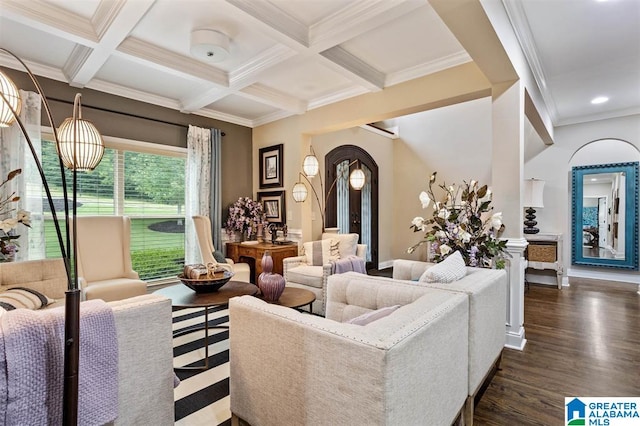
{"x":507,"y":171}
{"x":515,"y":338}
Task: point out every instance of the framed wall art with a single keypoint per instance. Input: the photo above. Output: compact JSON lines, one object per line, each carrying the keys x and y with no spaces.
{"x":271,"y":167}
{"x":273,"y":204}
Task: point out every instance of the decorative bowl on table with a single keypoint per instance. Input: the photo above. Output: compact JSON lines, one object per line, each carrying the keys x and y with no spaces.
{"x":206,"y":285}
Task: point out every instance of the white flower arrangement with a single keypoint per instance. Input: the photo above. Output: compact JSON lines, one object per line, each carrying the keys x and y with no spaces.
{"x":461,"y":222}
{"x":11,"y":218}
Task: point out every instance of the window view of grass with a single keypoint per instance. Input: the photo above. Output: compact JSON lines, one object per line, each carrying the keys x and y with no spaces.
{"x":152,"y":195}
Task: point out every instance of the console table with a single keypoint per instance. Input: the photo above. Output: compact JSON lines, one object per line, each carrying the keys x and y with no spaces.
{"x":252,"y":254}
{"x":545,"y":252}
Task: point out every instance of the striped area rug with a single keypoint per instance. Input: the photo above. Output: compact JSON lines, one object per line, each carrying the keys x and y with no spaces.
{"x":203,"y":395}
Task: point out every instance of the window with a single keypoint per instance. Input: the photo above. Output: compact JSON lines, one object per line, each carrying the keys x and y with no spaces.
{"x":142,"y":181}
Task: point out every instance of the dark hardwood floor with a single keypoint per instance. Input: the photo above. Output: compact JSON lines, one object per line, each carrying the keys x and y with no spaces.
{"x":581,"y":341}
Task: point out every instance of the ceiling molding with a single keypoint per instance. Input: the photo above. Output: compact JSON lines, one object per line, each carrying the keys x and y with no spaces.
{"x":381,"y":132}
{"x":359,"y":71}
{"x":51,"y":19}
{"x":337,"y":96}
{"x":248,"y":73}
{"x":427,"y":68}
{"x":268,"y":96}
{"x":172,"y":63}
{"x":601,"y":116}
{"x":138,"y":95}
{"x":520,"y":24}
{"x":75,"y":62}
{"x":37,"y":69}
{"x":229,"y":118}
{"x":269,"y":118}
{"x":105,"y":14}
{"x":203,"y":98}
{"x":357,"y":18}
{"x":275,"y":18}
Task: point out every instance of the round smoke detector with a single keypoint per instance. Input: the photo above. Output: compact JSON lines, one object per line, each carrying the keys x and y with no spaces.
{"x":209,"y":45}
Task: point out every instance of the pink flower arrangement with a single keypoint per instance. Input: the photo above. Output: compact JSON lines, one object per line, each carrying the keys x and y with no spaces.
{"x":245,"y":215}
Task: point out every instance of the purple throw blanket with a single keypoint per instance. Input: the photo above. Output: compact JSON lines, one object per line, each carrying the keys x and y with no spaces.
{"x":349,"y":263}
{"x":32,"y":366}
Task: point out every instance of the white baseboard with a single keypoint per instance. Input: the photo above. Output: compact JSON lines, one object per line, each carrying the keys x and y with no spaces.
{"x":622,"y":277}
{"x":515,"y":340}
{"x":386,"y":264}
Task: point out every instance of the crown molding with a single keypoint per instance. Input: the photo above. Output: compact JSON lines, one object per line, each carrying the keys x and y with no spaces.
{"x":269,"y":96}
{"x":269,"y":118}
{"x":229,"y":118}
{"x":336,"y":96}
{"x":520,"y":24}
{"x":105,"y":15}
{"x":601,"y":116}
{"x":74,"y":64}
{"x":129,"y":93}
{"x":427,"y":68}
{"x":39,"y":70}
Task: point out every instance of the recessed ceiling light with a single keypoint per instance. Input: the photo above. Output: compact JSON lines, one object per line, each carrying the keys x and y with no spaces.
{"x":599,"y":100}
{"x":593,"y":179}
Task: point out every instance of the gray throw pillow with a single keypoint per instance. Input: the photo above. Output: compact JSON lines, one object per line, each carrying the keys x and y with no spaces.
{"x":219,"y":257}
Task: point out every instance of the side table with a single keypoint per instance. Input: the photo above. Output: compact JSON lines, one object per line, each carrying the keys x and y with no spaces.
{"x":545,"y":252}
{"x":252,"y":254}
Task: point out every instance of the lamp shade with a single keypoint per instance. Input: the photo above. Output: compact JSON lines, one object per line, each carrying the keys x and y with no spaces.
{"x":310,"y":165}
{"x":89,"y":146}
{"x":10,"y":99}
{"x":299,"y":192}
{"x":357,"y":179}
{"x":533,"y":191}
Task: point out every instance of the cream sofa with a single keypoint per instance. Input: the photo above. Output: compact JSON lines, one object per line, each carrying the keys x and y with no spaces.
{"x":487,"y":291}
{"x":298,"y":273}
{"x":144,"y":329}
{"x":408,"y":368}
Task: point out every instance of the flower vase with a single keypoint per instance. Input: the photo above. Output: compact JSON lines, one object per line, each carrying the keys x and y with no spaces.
{"x":271,"y":285}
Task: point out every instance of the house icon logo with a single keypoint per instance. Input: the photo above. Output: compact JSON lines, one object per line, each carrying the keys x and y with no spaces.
{"x":575,"y":410}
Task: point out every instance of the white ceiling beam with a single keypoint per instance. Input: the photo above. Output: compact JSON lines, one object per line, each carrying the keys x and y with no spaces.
{"x":249,"y":72}
{"x":276,"y":20}
{"x":204,"y":98}
{"x":161,"y":59}
{"x":268,"y":96}
{"x":357,"y":18}
{"x":113,"y":21}
{"x":51,"y":19}
{"x":357,"y":70}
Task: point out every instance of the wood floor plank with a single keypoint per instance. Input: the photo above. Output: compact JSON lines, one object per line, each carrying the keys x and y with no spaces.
{"x":581,"y":341}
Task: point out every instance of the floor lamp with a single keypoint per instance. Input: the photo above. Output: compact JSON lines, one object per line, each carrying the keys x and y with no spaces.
{"x":80,"y":147}
{"x":311,"y":168}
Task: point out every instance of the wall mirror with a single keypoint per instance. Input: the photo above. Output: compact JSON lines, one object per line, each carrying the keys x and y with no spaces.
{"x":605,"y":215}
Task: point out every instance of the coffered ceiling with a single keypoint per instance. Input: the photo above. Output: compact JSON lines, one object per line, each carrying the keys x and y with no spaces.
{"x":290,"y":56}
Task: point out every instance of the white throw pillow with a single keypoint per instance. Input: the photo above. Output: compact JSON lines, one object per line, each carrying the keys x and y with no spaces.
{"x":348,"y":243}
{"x":449,"y":270}
{"x":372,"y":316}
{"x":321,"y":252}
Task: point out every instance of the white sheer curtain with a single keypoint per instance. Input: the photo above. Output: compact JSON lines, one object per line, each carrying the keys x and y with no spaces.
{"x":15,"y":154}
{"x":197,"y":186}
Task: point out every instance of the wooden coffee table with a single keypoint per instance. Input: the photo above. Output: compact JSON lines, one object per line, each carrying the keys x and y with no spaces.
{"x":183,"y":297}
{"x":293,"y":297}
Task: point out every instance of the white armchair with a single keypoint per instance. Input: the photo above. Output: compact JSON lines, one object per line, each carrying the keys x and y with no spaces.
{"x":202,"y":224}
{"x":104,"y":259}
{"x":300,"y":273}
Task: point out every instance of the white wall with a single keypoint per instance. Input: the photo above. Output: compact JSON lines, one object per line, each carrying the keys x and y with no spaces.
{"x":604,"y":141}
{"x":454,"y":141}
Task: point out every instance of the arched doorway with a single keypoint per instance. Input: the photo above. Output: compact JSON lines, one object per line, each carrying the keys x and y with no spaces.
{"x":350,"y":210}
